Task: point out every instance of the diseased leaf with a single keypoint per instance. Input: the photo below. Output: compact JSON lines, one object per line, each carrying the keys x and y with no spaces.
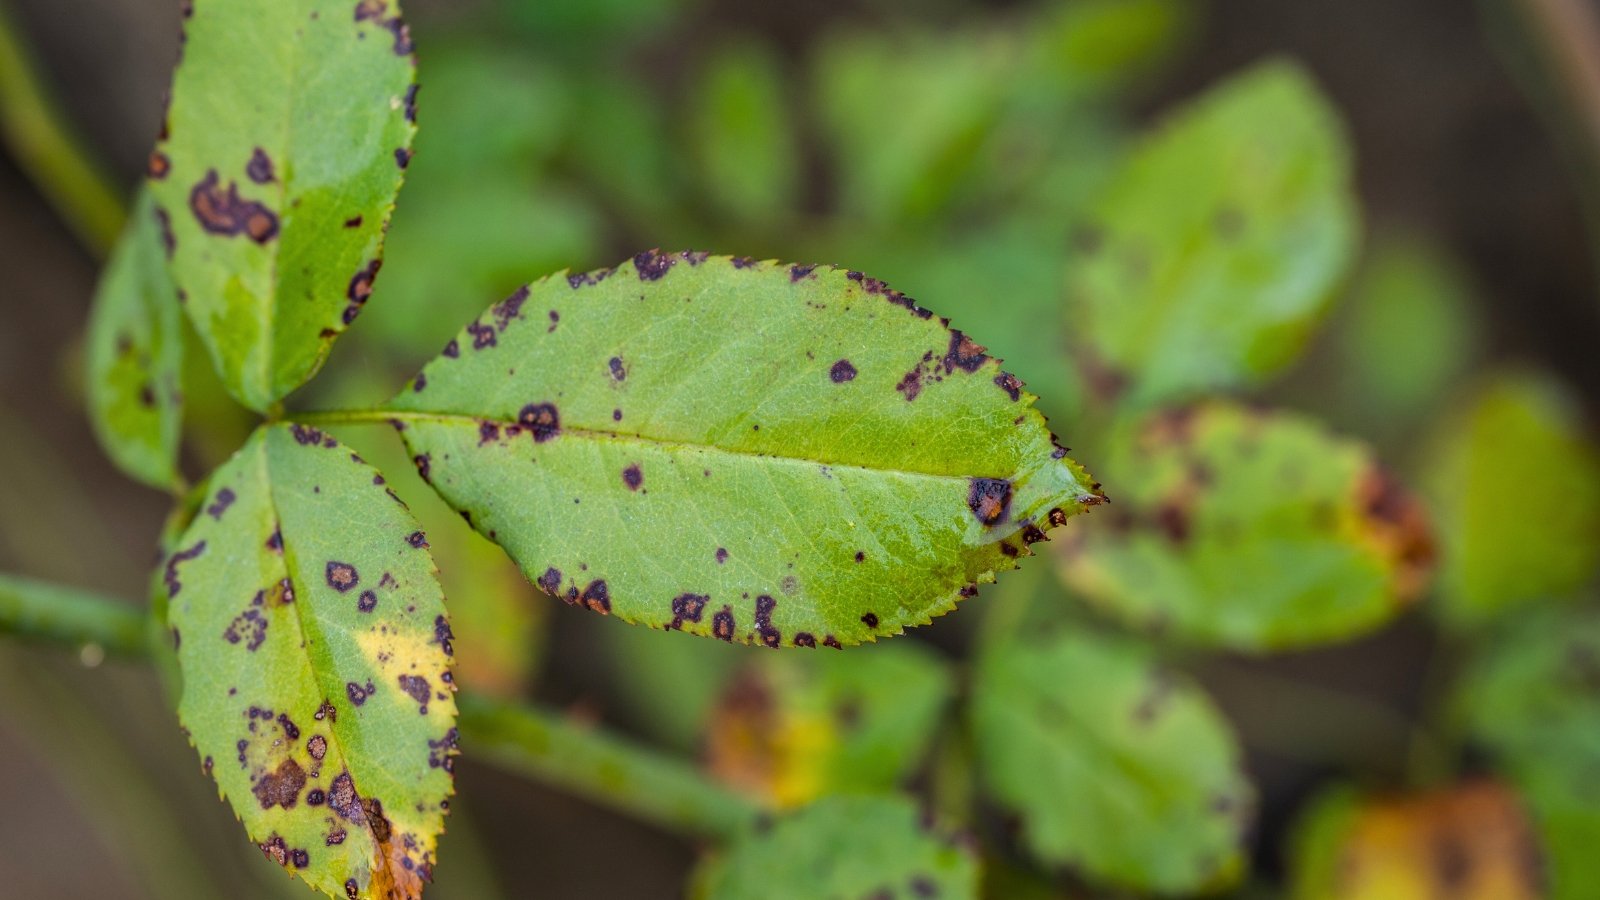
{"x":135,"y":355}
{"x":282,"y":153}
{"x":1515,"y":484}
{"x":845,"y":846}
{"x":1529,"y":697}
{"x":315,"y":657}
{"x":1250,"y":530}
{"x":1470,"y":841}
{"x":1215,"y":250}
{"x":1118,"y":769}
{"x":793,"y":728}
{"x":770,"y":454}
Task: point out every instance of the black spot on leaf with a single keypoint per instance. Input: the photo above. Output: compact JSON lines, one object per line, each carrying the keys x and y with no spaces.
{"x":842,"y":371}
{"x":223,"y":211}
{"x":989,"y":499}
{"x":341,"y":576}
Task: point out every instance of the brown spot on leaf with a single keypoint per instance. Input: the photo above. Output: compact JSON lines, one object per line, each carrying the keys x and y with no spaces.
{"x":541,"y":420}
{"x":687,"y":608}
{"x":722,"y":624}
{"x":597,"y":597}
{"x":963,"y":354}
{"x":652,"y":264}
{"x":765,"y":605}
{"x":341,"y":576}
{"x":224,"y":499}
{"x":317,"y":747}
{"x":223,"y":211}
{"x":805,"y":639}
{"x":280,"y":787}
{"x":989,"y":499}
{"x":259,"y":168}
{"x":550,"y":582}
{"x":367,"y":602}
{"x":1010,"y":384}
{"x":158,"y":166}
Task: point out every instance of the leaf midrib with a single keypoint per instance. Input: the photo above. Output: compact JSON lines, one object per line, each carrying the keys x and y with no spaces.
{"x":600,"y":434}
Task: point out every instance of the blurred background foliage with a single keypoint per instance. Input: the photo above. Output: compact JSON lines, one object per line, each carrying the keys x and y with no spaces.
{"x":1284,"y":285}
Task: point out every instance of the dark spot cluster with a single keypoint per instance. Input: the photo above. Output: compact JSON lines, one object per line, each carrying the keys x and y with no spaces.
{"x":222,"y":211}
{"x":169,"y":575}
{"x":418,"y":689}
{"x":307,"y":436}
{"x":224,"y":499}
{"x":442,"y":752}
{"x":259,"y":168}
{"x":374,"y":11}
{"x":989,"y":499}
{"x":578,"y":281}
{"x":722,"y":624}
{"x":687,"y":608}
{"x":510,"y":308}
{"x":280,"y":787}
{"x":341,"y":576}
{"x":652,"y":264}
{"x":800,"y":273}
{"x":249,"y":626}
{"x":357,"y":693}
{"x":842,"y":371}
{"x":870,"y":620}
{"x":411,"y":103}
{"x":876,"y":287}
{"x":541,"y":420}
{"x":279,"y":852}
{"x":765,"y":632}
{"x":442,"y":635}
{"x":619,"y":372}
{"x":360,"y":290}
{"x":1011,"y":384}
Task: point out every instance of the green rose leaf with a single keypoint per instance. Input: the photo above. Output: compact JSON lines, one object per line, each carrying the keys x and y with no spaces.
{"x":1250,"y":530}
{"x":135,"y":355}
{"x":771,"y":454}
{"x":794,"y":727}
{"x":844,"y":846}
{"x":1530,"y":699}
{"x":742,"y":135}
{"x":1505,"y":542}
{"x":1214,"y":252}
{"x":315,"y":659}
{"x":1118,"y":769}
{"x":282,"y":153}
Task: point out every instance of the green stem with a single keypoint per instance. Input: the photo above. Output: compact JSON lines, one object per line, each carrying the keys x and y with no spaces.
{"x":34,"y":609}
{"x":603,"y":768}
{"x":46,"y":148}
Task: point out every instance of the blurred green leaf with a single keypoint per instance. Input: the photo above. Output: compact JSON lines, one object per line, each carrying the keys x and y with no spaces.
{"x":624,"y":153}
{"x":289,"y":128}
{"x":794,"y":455}
{"x":906,"y":118}
{"x":1250,"y":530}
{"x":135,"y":355}
{"x":585,"y":27}
{"x":1095,"y":44}
{"x":848,"y":846}
{"x":1530,"y":697}
{"x":1533,"y":539}
{"x":1118,"y":769}
{"x":741,"y":126}
{"x":1471,"y":841}
{"x":1214,"y":252}
{"x":315,"y":659}
{"x":1403,"y":336}
{"x":792,"y":728}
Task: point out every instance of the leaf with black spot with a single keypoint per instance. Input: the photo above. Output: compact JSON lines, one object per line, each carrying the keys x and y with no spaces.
{"x":286,"y":123}
{"x":1123,"y":771}
{"x":134,"y":354}
{"x":872,"y":845}
{"x":1249,"y":529}
{"x":807,"y":510}
{"x":329,"y":722}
